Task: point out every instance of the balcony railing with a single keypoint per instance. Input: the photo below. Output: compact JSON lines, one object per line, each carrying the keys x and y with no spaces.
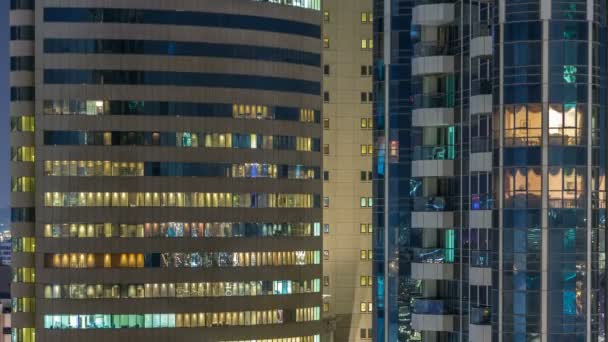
{"x":434,"y":255}
{"x":482,"y":202}
{"x":481,"y":144}
{"x":432,"y":48}
{"x":438,"y":152}
{"x":426,"y":306}
{"x":481,"y":87}
{"x":434,"y":203}
{"x":480,"y":258}
{"x":481,"y":315}
{"x":434,"y":100}
{"x":480,"y":30}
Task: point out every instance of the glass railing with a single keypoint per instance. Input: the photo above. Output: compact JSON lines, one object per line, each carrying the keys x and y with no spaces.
{"x":480,"y":30}
{"x":480,"y":258}
{"x":438,"y":152}
{"x":432,"y":48}
{"x":481,"y":87}
{"x":481,"y":144}
{"x":482,"y":202}
{"x":433,"y":255}
{"x":426,"y":306}
{"x":434,"y":100}
{"x":481,"y":315}
{"x":434,"y":203}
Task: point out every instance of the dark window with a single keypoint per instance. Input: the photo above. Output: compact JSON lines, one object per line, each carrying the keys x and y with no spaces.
{"x":181,"y":18}
{"x":325,"y":175}
{"x":22,"y":33}
{"x":23,"y":214}
{"x":22,"y":63}
{"x":22,"y":93}
{"x":326,"y":69}
{"x":22,"y":4}
{"x":326,"y":96}
{"x":158,"y":47}
{"x":186,"y":79}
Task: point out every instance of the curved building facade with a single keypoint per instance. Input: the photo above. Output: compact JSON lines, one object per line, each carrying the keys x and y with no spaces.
{"x":166,"y":170}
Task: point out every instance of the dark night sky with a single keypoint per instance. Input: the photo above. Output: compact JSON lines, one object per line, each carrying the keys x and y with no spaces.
{"x":4,"y":96}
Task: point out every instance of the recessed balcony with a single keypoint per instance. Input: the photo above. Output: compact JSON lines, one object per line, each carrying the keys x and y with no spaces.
{"x":436,"y":109}
{"x":433,"y":212}
{"x":433,"y":12}
{"x":433,"y":255}
{"x":430,"y":271}
{"x":433,"y":161}
{"x":481,"y":46}
{"x":480,"y":272}
{"x":481,"y":103}
{"x":432,"y":65}
{"x":480,"y":328}
{"x":433,"y":314}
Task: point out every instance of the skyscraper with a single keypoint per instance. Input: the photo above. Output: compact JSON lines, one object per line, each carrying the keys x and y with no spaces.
{"x":175,"y":149}
{"x":347,"y":165}
{"x":490,"y":175}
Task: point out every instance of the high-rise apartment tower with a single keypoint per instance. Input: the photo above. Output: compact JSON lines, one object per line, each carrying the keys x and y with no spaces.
{"x":166,"y":163}
{"x":490,"y":171}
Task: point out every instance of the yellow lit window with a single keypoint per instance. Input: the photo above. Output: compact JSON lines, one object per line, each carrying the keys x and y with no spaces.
{"x":326,"y":43}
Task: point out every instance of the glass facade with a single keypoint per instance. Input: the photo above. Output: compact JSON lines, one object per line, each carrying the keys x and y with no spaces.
{"x":490,"y":168}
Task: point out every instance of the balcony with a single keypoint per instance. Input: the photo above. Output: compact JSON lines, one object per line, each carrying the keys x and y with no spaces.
{"x":432,"y":65}
{"x":480,"y":273}
{"x":481,"y":44}
{"x":431,"y":48}
{"x":433,"y":255}
{"x":481,"y":315}
{"x":482,"y":102}
{"x":432,"y":271}
{"x":435,"y":152}
{"x":433,"y":12}
{"x":433,"y":314}
{"x":480,"y":328}
{"x":433,"y":161}
{"x":480,"y":218}
{"x":436,"y":109}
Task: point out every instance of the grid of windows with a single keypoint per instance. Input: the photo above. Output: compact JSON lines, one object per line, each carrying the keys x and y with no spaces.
{"x":182,"y":139}
{"x":106,"y":168}
{"x":180,"y":230}
{"x":182,"y":290}
{"x":183,"y":260}
{"x":180,"y":200}
{"x":181,"y":320}
{"x":179,"y":109}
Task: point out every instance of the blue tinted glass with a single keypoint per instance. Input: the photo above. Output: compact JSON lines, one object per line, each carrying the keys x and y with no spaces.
{"x":188,"y":79}
{"x":183,"y":18}
{"x":151,"y":47}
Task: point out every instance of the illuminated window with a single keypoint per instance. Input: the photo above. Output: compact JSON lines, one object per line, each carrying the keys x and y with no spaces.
{"x":23,"y":124}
